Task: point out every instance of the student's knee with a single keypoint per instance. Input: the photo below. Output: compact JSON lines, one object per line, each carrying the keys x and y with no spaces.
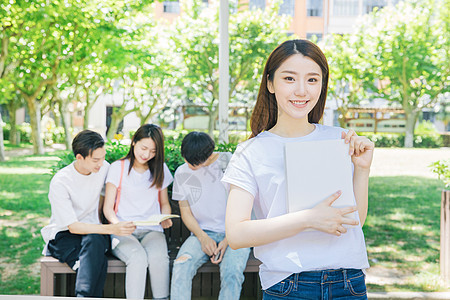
{"x":182,"y":261}
{"x":137,"y":257}
{"x":183,"y":266}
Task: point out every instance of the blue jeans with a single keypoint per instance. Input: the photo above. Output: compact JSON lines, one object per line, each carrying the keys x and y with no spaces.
{"x":192,"y":257}
{"x":328,"y":284}
{"x":139,"y":251}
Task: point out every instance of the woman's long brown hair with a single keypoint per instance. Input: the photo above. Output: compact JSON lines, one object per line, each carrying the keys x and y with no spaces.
{"x":265,"y":113}
{"x":156,"y":164}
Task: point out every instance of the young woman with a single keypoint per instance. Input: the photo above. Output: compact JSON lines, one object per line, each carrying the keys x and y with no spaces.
{"x":143,"y":178}
{"x":327,"y":261}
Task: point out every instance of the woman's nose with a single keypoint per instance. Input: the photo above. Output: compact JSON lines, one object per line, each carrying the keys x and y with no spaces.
{"x":300,"y":89}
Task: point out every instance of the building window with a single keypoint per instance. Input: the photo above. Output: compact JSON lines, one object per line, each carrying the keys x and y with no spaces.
{"x":172,"y":7}
{"x":314,"y":8}
{"x":311,"y":36}
{"x":345,"y":8}
{"x":369,"y":5}
{"x":287,"y":7}
{"x":257,"y":4}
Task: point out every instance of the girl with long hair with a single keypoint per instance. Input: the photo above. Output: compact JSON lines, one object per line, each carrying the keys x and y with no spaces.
{"x":317,"y":253}
{"x":136,"y":188}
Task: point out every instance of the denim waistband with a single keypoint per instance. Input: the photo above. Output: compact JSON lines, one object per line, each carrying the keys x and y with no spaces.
{"x":325,"y":276}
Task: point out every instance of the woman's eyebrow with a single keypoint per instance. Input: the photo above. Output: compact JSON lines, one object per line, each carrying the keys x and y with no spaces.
{"x":295,"y":73}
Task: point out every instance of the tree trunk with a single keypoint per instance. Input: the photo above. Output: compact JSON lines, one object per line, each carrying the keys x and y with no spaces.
{"x":342,"y":119}
{"x":113,"y":127}
{"x":411,"y":119}
{"x":87,"y":108}
{"x":35,"y":121}
{"x":2,"y":146}
{"x":212,"y":121}
{"x":65,"y":120}
{"x":12,"y":108}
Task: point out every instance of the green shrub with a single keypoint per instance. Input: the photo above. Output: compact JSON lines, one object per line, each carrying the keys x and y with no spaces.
{"x":66,"y":157}
{"x":115,"y":150}
{"x":24,"y":131}
{"x":425,"y":127}
{"x":55,"y":135}
{"x":442,"y":169}
{"x":385,"y":139}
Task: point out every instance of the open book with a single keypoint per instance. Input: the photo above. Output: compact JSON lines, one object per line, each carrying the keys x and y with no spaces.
{"x":154,"y":220}
{"x":317,"y":169}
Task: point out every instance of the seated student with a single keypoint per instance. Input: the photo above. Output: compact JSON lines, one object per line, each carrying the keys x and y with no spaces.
{"x":202,"y":198}
{"x":75,"y":235}
{"x":136,"y":188}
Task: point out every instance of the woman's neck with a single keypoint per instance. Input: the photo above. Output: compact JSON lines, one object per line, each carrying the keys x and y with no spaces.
{"x":140,"y":168}
{"x":291,"y":128}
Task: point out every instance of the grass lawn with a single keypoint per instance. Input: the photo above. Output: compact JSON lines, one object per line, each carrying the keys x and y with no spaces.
{"x":402,"y":229}
{"x":9,"y":146}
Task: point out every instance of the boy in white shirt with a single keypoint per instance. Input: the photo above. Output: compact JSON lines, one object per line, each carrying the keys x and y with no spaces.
{"x":75,"y":235}
{"x":202,"y":199}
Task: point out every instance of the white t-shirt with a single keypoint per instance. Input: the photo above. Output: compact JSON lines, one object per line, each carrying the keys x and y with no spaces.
{"x":206,"y":195}
{"x":258,"y":167}
{"x":138,"y":201}
{"x":74,"y":197}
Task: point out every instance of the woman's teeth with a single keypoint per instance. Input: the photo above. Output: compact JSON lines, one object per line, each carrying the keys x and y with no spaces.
{"x":299,"y":102}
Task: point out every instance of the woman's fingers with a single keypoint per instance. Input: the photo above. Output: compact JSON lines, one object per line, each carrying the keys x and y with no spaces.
{"x":333,"y":198}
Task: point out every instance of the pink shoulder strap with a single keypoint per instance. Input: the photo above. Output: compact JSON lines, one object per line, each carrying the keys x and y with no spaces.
{"x":119,"y":188}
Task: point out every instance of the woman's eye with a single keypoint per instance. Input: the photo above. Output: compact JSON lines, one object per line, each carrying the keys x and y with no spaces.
{"x":313,"y":80}
{"x":289,"y":78}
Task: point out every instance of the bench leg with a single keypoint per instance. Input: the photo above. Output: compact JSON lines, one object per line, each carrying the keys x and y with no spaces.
{"x":47,"y":281}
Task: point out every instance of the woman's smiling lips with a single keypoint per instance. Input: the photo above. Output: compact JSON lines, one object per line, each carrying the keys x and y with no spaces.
{"x":299,"y":103}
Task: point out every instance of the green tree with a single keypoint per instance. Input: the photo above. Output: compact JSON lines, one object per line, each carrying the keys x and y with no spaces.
{"x":346,"y":72}
{"x":408,"y":48}
{"x":253,"y":35}
{"x":46,"y":40}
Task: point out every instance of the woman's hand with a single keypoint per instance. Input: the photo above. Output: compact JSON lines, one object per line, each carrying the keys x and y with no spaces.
{"x":166,"y":223}
{"x":330,"y":219}
{"x":360,"y":149}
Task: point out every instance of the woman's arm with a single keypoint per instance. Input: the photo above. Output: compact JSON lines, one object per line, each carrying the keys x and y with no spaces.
{"x":208,"y":244}
{"x":108,"y":205}
{"x":242,"y":232}
{"x":121,"y":228}
{"x":165,"y":208}
{"x":361,"y":150}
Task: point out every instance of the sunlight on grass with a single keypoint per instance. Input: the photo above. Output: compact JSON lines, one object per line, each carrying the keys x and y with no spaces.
{"x":7,"y":195}
{"x":19,"y":171}
{"x":10,"y":232}
{"x":41,"y":158}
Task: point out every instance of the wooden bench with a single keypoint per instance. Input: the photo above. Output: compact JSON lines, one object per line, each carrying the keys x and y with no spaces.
{"x":58,"y":279}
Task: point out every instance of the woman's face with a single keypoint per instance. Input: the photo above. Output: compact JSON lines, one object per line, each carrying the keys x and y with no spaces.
{"x":144,"y":150}
{"x":297,"y":85}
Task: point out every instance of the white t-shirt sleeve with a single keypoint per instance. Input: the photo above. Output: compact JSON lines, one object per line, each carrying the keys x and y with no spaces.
{"x":62,"y":208}
{"x":239,"y":172}
{"x":114,"y":173}
{"x":168,"y":178}
{"x":178,"y":191}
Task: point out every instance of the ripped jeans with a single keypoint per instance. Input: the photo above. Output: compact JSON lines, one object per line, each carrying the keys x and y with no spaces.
{"x":191,"y":257}
{"x":139,"y":251}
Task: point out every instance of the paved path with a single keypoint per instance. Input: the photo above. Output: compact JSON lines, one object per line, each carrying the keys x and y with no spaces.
{"x":409,"y":162}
